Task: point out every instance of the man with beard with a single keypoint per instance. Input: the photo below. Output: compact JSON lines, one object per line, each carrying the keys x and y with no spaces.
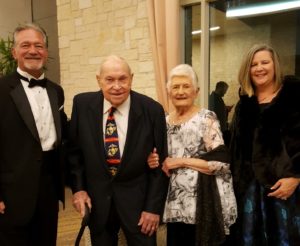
{"x":32,"y":119}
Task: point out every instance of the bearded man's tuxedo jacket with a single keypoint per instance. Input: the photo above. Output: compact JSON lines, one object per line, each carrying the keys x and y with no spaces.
{"x":21,"y":153}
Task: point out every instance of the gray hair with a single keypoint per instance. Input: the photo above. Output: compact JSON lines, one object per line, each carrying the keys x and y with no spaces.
{"x":113,"y":58}
{"x":183,"y":70}
{"x":30,"y":26}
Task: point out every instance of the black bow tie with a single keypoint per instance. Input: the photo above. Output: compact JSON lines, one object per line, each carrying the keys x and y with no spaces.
{"x":35,"y":82}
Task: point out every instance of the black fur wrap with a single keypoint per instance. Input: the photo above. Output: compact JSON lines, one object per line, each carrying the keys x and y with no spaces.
{"x":265,"y":140}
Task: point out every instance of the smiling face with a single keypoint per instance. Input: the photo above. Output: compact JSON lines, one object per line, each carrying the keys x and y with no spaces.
{"x":182,"y":92}
{"x":262,"y":69}
{"x":115,"y":81}
{"x":30,"y":51}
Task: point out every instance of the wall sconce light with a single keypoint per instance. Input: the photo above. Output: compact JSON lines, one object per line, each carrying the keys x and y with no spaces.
{"x":211,"y":29}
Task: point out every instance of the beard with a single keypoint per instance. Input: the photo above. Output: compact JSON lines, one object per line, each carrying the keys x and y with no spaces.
{"x":34,"y":65}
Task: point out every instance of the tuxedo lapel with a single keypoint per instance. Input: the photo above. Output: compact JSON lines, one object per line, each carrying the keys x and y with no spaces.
{"x":52,"y":94}
{"x":19,"y":96}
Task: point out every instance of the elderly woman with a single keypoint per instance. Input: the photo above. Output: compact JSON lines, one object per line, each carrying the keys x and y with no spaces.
{"x":200,"y":205}
{"x":266,"y":152}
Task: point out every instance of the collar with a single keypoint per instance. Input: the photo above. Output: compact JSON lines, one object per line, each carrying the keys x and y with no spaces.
{"x":29,"y":76}
{"x":123,"y":109}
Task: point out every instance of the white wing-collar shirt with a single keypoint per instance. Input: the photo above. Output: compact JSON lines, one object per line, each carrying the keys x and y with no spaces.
{"x":41,"y":110}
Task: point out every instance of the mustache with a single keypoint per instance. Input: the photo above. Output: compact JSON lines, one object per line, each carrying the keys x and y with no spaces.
{"x":33,"y":57}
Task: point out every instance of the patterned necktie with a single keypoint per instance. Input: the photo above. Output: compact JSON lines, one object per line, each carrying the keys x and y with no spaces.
{"x":112,"y":143}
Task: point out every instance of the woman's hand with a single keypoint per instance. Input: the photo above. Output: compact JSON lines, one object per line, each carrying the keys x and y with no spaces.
{"x":153,"y":159}
{"x":196,"y":164}
{"x":284,"y":188}
{"x":171,"y":163}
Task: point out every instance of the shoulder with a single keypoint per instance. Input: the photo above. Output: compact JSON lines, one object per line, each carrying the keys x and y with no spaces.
{"x":290,"y":89}
{"x":208,"y":114}
{"x":287,"y":100}
{"x":206,"y":117}
{"x":55,"y":86}
{"x":142,"y":98}
{"x":291,"y":80}
{"x":5,"y":80}
{"x":247,"y":108}
{"x":6,"y":86}
{"x":145,"y":101}
{"x":86,"y":96}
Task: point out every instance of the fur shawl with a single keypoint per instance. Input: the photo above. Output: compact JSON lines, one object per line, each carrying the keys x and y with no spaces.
{"x":210,"y":221}
{"x":265,"y":140}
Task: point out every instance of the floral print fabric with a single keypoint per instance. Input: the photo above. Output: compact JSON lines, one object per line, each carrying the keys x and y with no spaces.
{"x":190,"y":139}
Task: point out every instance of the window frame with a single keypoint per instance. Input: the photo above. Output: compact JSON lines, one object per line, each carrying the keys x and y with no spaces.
{"x":204,"y":47}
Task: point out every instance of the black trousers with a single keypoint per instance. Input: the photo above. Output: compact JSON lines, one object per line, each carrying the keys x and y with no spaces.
{"x":42,"y":228}
{"x":179,"y":234}
{"x":109,"y":236}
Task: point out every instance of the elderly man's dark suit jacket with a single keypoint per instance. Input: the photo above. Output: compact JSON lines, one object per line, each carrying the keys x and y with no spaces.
{"x":135,"y":188}
{"x":21,"y":151}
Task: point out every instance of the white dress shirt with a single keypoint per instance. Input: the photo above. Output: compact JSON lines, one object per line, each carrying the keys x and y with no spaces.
{"x":41,"y":110}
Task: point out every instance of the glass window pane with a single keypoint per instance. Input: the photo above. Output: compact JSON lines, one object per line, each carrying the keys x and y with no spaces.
{"x":192,"y":38}
{"x":234,"y":36}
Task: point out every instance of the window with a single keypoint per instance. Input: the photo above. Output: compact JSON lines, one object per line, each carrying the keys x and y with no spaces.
{"x":230,"y":38}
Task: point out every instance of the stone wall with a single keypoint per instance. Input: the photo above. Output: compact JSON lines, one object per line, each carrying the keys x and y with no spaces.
{"x":12,"y":13}
{"x":44,"y":13}
{"x":89,"y":30}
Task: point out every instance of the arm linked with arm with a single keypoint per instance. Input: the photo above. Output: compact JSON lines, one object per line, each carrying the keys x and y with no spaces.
{"x":158,"y":182}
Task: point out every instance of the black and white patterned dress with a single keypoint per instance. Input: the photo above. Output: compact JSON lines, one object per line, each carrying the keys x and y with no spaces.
{"x":198,"y":135}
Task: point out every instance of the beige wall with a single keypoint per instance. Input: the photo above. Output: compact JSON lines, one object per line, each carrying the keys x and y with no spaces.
{"x":44,"y":13}
{"x":12,"y":13}
{"x":89,"y":30}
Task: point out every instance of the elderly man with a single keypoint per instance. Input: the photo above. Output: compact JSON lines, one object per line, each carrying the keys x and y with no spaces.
{"x":112,"y":133}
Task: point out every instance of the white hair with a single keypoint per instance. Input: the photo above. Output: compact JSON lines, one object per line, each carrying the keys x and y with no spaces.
{"x":113,"y":58}
{"x":183,"y":70}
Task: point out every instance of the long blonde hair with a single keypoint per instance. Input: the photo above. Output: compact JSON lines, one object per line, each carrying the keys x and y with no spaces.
{"x":244,"y":77}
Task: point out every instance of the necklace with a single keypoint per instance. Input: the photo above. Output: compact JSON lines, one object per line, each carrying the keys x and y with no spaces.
{"x":268,"y":98}
{"x":264,"y":99}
